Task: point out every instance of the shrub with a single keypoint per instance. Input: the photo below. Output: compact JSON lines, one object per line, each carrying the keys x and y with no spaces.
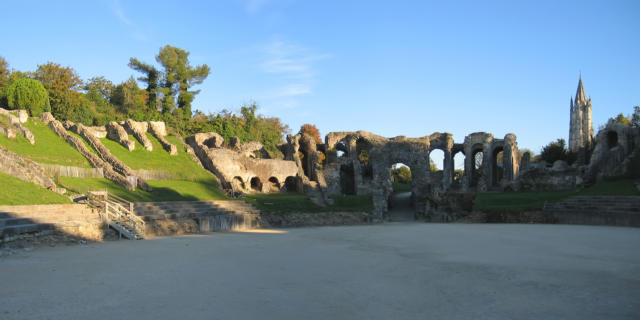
{"x":28,"y":94}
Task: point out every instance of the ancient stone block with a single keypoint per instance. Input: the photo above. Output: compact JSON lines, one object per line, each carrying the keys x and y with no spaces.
{"x":139,"y":130}
{"x":159,"y":127}
{"x":118,"y":134}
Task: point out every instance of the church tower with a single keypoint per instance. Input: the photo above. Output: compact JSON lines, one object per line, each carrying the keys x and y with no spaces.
{"x":580,"y":124}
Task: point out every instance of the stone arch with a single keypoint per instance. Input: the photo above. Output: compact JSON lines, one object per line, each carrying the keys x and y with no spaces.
{"x":437,"y":155}
{"x":274,"y":184}
{"x":497,"y":165}
{"x":342,"y":149}
{"x":458,"y":159}
{"x":256,"y":184}
{"x":363,"y":148}
{"x":477,"y":164}
{"x":291,"y":184}
{"x":237,"y":184}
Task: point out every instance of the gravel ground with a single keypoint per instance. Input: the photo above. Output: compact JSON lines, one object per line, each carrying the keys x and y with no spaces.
{"x":395,"y":270}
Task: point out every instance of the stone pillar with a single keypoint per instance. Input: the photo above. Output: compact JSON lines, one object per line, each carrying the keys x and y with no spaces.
{"x":447,"y":170}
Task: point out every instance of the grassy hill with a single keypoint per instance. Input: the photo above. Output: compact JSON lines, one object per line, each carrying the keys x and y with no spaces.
{"x":49,"y":148}
{"x":18,"y":192}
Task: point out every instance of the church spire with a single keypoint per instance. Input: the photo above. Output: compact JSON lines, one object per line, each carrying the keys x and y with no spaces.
{"x":580,"y":96}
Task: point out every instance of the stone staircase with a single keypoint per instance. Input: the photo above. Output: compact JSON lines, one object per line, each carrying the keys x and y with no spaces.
{"x":72,"y":219}
{"x":597,"y":210}
{"x":206,"y":216}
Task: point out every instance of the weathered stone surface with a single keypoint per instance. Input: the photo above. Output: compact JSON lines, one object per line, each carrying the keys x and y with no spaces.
{"x":109,"y":158}
{"x":118,"y":134}
{"x":17,"y":126}
{"x":7,"y":131}
{"x":24,"y":169}
{"x":208,"y":139}
{"x":159,"y":127}
{"x":580,"y":124}
{"x":99,"y":131}
{"x":248,"y":149}
{"x":95,"y":161}
{"x":46,"y":117}
{"x":237,"y":172}
{"x":139,"y":130}
{"x":23,"y":115}
{"x":547,"y":179}
{"x":560,"y":165}
{"x":234,"y":142}
{"x":616,"y":147}
{"x":159,"y":131}
{"x":526,"y":162}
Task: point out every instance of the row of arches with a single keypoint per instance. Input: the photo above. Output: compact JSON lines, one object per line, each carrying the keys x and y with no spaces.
{"x":290,"y":184}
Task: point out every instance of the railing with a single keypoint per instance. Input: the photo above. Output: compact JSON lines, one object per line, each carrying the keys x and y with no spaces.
{"x":114,"y":209}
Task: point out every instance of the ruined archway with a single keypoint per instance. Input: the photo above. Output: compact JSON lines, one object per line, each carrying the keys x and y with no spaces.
{"x":342,"y":149}
{"x":347,"y":179}
{"x":477,"y":163}
{"x":237,"y":185}
{"x":256,"y":184}
{"x":291,"y":184}
{"x":497,"y":168}
{"x":274,"y":184}
{"x":458,"y":167}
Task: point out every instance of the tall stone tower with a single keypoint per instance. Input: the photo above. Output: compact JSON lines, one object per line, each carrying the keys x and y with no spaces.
{"x":581,"y":124}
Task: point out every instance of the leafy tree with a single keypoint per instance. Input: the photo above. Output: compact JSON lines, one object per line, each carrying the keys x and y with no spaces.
{"x":555,"y":150}
{"x":401,"y":174}
{"x":620,"y":118}
{"x":4,"y":72}
{"x":62,"y":84}
{"x":180,"y":76}
{"x":432,"y":166}
{"x":28,"y":94}
{"x":311,"y":130}
{"x":635,"y":117}
{"x":152,"y":77}
{"x":128,"y":97}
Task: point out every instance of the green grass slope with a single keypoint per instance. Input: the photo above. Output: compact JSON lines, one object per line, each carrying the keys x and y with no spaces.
{"x":49,"y":148}
{"x":535,"y":200}
{"x":163,"y":190}
{"x":181,"y":166}
{"x":17,"y":192}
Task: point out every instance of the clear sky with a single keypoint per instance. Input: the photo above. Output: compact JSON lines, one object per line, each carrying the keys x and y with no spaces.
{"x":392,"y":68}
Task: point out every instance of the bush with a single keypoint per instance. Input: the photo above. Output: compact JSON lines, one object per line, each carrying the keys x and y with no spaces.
{"x":28,"y":94}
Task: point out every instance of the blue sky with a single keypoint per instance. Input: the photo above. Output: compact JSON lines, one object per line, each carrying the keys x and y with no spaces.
{"x":392,"y":68}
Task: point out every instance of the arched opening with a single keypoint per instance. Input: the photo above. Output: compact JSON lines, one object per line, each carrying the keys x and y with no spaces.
{"x":436,"y":160}
{"x":400,"y":202}
{"x":347,"y":179}
{"x":458,"y":167}
{"x":612,"y":139}
{"x":497,"y":169}
{"x":477,"y":162}
{"x":237,"y":184}
{"x":274,"y":185}
{"x":362,"y":150}
{"x":290,"y":184}
{"x":342,"y":150}
{"x":256,"y":184}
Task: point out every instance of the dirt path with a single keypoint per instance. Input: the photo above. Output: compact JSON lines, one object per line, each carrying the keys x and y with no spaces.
{"x":389,"y":271}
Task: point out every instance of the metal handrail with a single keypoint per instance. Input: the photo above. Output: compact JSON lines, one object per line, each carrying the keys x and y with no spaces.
{"x":114,"y":208}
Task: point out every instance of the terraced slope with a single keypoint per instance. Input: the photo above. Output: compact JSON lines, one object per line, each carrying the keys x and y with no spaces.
{"x":49,"y":148}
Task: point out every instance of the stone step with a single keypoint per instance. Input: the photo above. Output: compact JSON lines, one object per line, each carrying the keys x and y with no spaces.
{"x":25,"y":228}
{"x":5,"y":222}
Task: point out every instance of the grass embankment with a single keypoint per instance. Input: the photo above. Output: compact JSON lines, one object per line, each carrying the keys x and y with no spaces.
{"x":163,"y":190}
{"x":49,"y":148}
{"x":18,"y":192}
{"x":535,"y":200}
{"x":180,"y":166}
{"x":295,"y":202}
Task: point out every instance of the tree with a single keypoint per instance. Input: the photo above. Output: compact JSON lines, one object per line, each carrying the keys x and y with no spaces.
{"x":620,"y":118}
{"x":28,"y":94}
{"x":4,"y":72}
{"x":128,"y":97}
{"x":401,"y":174}
{"x":635,"y":117}
{"x":555,"y":150}
{"x":312,"y":131}
{"x":62,"y":84}
{"x":152,"y":77}
{"x":180,"y":76}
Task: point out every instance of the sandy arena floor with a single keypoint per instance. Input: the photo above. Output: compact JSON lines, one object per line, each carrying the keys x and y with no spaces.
{"x":391,"y":271}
